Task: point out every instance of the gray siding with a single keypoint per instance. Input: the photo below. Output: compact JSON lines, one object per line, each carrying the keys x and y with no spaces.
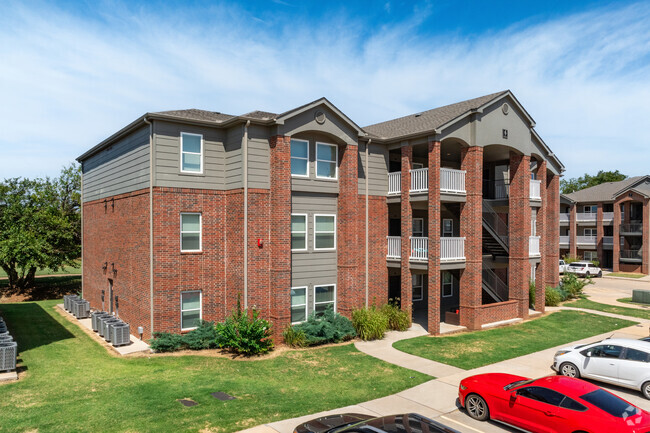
{"x":233,"y":159}
{"x":259,"y":165}
{"x":121,"y":168}
{"x":377,"y":172}
{"x":167,"y":157}
{"x":314,"y":184}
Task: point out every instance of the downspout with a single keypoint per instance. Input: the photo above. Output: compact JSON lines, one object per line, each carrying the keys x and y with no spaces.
{"x":245,"y":156}
{"x":151,"y":181}
{"x":367,"y":213}
{"x":81,"y":207}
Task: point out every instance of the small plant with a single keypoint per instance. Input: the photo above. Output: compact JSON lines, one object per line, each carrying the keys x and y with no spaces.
{"x":553,"y":297}
{"x":294,"y":337}
{"x":244,"y":334}
{"x":568,"y":259}
{"x":327,"y":327}
{"x":166,"y":342}
{"x":370,"y":323}
{"x":531,"y":293}
{"x":398,"y":320}
{"x":203,"y":337}
{"x":574,"y":285}
{"x":596,"y":262}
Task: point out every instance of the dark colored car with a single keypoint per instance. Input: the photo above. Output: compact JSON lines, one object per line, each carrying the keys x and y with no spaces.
{"x":354,"y":422}
{"x":553,"y":404}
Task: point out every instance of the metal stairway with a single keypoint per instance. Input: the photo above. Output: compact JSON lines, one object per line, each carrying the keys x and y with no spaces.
{"x":495,"y":232}
{"x":493,"y":285}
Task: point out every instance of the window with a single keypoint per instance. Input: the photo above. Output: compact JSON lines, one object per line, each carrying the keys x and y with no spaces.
{"x":417,"y":287}
{"x":299,"y":158}
{"x":191,"y":153}
{"x":447,"y":227}
{"x":298,"y":304}
{"x":418,"y":227}
{"x":298,"y":232}
{"x":611,"y":404}
{"x":569,"y":403}
{"x":606,"y":351}
{"x":591,"y":208}
{"x":637,"y":355}
{"x":324,"y":297}
{"x":447,"y":285}
{"x":324,"y":232}
{"x":417,"y":165}
{"x":326,"y":158}
{"x":544,"y":395}
{"x":190,"y":309}
{"x":190,"y":232}
{"x":590,"y":232}
{"x":590,"y":255}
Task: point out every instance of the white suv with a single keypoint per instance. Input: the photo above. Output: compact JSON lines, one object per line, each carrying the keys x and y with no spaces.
{"x":584,"y":269}
{"x":619,"y":361}
{"x":563,"y":266}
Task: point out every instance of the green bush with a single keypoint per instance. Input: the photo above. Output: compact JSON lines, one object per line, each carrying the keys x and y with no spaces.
{"x":244,"y":334}
{"x":596,"y":262}
{"x":570,"y":259}
{"x":398,"y":320}
{"x":294,"y":337}
{"x":203,"y":337}
{"x":370,"y":323}
{"x":166,"y":342}
{"x":328,"y":327}
{"x":553,"y":297}
{"x":531,"y":293}
{"x":574,"y":285}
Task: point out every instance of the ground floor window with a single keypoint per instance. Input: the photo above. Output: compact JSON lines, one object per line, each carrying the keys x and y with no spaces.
{"x":298,"y":304}
{"x":447,"y":285}
{"x":324,"y":296}
{"x":418,"y":287}
{"x":590,"y":255}
{"x":190,"y":309}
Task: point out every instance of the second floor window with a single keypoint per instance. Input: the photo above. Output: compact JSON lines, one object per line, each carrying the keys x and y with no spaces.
{"x":324,"y":232}
{"x":191,"y":153}
{"x":190,"y":232}
{"x":326,"y":158}
{"x":299,"y":158}
{"x":298,"y":232}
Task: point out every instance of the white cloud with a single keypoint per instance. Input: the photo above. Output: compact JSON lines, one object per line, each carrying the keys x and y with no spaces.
{"x":67,"y":82}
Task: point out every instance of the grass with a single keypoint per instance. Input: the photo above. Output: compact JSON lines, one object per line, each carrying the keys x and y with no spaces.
{"x":72,"y":384}
{"x":591,"y":305}
{"x":476,"y":349}
{"x":625,"y":275}
{"x":65,"y":271}
{"x":630,"y":301}
{"x":51,"y":287}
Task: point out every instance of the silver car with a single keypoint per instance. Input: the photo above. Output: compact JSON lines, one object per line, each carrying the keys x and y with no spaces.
{"x":620,"y":361}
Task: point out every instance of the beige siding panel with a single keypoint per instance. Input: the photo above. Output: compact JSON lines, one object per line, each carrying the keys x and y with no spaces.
{"x":377,"y":172}
{"x":258,"y":164}
{"x":233,"y":159}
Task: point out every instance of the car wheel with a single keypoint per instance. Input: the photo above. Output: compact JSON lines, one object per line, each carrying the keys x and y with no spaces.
{"x":600,"y":274}
{"x":569,"y":370}
{"x":645,"y":389}
{"x":476,"y":407}
{"x":587,"y":275}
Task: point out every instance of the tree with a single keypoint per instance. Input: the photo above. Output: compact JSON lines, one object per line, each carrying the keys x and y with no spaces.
{"x":40,"y":226}
{"x":576,"y":184}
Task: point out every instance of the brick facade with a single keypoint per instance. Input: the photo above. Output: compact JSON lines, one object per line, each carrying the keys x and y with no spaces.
{"x":541,"y":228}
{"x":406,"y":297}
{"x":519,"y":231}
{"x":433,"y":300}
{"x":552,"y":230}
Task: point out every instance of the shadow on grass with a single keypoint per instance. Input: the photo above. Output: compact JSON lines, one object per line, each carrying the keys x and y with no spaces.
{"x":31,"y":326}
{"x":51,"y":287}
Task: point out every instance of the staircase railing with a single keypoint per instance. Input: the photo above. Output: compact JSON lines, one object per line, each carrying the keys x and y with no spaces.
{"x":494,"y":285}
{"x":495,"y":225}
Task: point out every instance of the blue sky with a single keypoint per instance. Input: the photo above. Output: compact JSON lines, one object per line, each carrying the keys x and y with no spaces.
{"x":74,"y":72}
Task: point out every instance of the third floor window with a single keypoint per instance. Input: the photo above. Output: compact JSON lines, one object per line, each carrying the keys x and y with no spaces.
{"x":191,"y":153}
{"x":299,"y":158}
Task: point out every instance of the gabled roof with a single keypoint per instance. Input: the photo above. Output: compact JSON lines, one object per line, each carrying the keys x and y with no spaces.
{"x":607,"y":191}
{"x":195,"y":114}
{"x":321,"y":101}
{"x":428,"y":120}
{"x":638,"y":183}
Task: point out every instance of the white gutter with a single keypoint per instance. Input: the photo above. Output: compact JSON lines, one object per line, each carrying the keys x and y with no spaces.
{"x":151,"y":181}
{"x":245,"y":156}
{"x":367,"y":213}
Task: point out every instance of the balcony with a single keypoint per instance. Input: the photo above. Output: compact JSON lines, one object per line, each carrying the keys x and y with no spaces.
{"x":586,"y":217}
{"x":451,"y":249}
{"x":608,"y":242}
{"x":564,"y":241}
{"x":535,"y":189}
{"x":564,"y":218}
{"x":419,"y":249}
{"x":633,"y":228}
{"x":631,"y":256}
{"x":586,"y":240}
{"x":608,"y":216}
{"x":533,"y":246}
{"x":451,"y":181}
{"x":394,"y":248}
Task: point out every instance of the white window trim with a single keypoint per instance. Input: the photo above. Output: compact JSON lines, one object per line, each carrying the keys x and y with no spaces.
{"x":299,"y":157}
{"x":444,"y":232}
{"x":306,"y":289}
{"x":200,"y":307}
{"x":593,"y":232}
{"x":336,"y":161}
{"x":315,"y":232}
{"x":200,"y":232}
{"x":451,"y":284}
{"x":417,"y":165}
{"x":418,"y":286}
{"x":413,"y":226}
{"x":306,"y":231}
{"x":590,"y":207}
{"x":593,"y":254}
{"x":191,"y":153}
{"x":328,"y":302}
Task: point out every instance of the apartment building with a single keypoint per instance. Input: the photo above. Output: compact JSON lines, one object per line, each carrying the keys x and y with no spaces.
{"x":610,"y":223}
{"x":452,"y":211}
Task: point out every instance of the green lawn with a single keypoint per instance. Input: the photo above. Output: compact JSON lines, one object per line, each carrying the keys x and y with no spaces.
{"x":72,"y":384}
{"x":630,"y":301}
{"x":51,"y":287}
{"x":476,"y":349}
{"x":591,"y":305}
{"x":66,"y":270}
{"x":625,"y":275}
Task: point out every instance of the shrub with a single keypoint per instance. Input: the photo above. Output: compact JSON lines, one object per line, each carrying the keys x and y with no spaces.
{"x":203,"y":337}
{"x":596,"y":262}
{"x":328,"y":327}
{"x":244,"y":334}
{"x":574,"y":285}
{"x":553,"y":297}
{"x":570,"y":259}
{"x":398,"y":320}
{"x":370,"y":323}
{"x":531,"y":293}
{"x":294,"y":337}
{"x":166,"y":342}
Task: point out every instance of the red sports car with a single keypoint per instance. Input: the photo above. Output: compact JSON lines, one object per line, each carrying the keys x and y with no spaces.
{"x":553,"y":404}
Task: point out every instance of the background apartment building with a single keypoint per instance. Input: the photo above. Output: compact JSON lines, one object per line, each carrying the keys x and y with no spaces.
{"x":609,"y":223}
{"x":451,"y":210}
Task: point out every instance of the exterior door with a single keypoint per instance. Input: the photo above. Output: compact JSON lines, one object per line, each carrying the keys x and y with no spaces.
{"x":536,"y":409}
{"x":110,"y":296}
{"x":603,"y":362}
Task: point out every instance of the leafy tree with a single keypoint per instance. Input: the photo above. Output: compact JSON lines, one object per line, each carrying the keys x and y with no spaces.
{"x":40,"y":226}
{"x":576,"y":184}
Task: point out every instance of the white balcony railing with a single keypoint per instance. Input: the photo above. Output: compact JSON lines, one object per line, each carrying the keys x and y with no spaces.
{"x":419,"y":249}
{"x":452,"y":249}
{"x":564,"y":218}
{"x":608,"y":240}
{"x":394,"y":247}
{"x":533,"y":245}
{"x":452,"y":180}
{"x":535,"y":189}
{"x":564,"y":240}
{"x":394,"y":183}
{"x":586,"y":216}
{"x":586,"y":240}
{"x":420,"y":180}
{"x":608,"y":216}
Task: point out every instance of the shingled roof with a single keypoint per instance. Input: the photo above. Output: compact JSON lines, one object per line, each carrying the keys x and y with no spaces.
{"x":603,"y":192}
{"x":195,"y":114}
{"x":427,"y":120}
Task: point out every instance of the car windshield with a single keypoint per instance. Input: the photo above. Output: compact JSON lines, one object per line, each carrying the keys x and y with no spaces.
{"x":610,"y":403}
{"x":517,"y":383}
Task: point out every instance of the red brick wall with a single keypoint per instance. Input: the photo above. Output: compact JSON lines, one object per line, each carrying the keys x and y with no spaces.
{"x":544,"y":245}
{"x":499,"y":311}
{"x":377,"y":232}
{"x":118,"y":233}
{"x":552,"y":229}
{"x":433,"y":291}
{"x":259,"y":227}
{"x":519,"y":231}
{"x":406,"y":215}
{"x":233,"y":238}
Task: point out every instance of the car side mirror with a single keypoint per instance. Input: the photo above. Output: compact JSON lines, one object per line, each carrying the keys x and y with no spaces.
{"x":513,"y":396}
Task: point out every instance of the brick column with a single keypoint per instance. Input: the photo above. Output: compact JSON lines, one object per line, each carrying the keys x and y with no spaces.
{"x":552,"y":229}
{"x":433,"y":320}
{"x":645,"y":246}
{"x":600,"y":231}
{"x":616,"y":246}
{"x":471,"y":228}
{"x":543,"y":233}
{"x":406,"y":296}
{"x":280,"y":240}
{"x":573,"y":231}
{"x":350,"y":292}
{"x":519,"y":231}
